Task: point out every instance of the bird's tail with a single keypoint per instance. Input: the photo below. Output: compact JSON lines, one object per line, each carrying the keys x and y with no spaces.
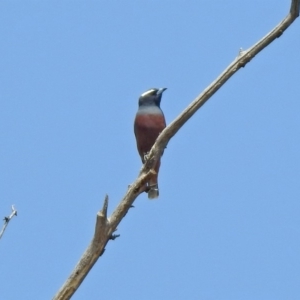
{"x":153,"y":186}
{"x":153,"y":192}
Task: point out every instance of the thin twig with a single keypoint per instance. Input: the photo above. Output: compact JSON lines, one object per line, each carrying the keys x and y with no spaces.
{"x":105,"y":227}
{"x":7,"y":219}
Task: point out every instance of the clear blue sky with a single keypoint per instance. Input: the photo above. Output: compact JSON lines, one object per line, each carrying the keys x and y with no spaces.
{"x":227,"y":223}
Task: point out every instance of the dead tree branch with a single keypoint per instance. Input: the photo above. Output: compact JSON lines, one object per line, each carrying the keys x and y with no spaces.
{"x":7,"y":219}
{"x":106,"y":226}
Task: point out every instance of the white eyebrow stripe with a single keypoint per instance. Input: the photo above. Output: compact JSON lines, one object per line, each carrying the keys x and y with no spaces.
{"x":147,"y":92}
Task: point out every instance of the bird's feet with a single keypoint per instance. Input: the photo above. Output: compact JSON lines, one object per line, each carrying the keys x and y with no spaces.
{"x":146,"y":156}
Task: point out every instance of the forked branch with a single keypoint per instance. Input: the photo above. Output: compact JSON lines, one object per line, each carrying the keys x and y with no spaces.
{"x":105,"y":227}
{"x":7,"y":219}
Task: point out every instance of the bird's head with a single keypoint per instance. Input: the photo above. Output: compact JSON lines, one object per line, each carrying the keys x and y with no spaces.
{"x":151,"y":97}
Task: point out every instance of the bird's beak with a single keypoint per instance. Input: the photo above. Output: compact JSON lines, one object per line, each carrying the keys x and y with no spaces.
{"x":160,"y":91}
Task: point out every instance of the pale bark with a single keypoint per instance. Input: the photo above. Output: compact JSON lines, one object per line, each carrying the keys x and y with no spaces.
{"x":7,"y":219}
{"x":106,"y":226}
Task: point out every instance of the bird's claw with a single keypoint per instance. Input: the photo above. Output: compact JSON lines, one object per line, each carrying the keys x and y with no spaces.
{"x":146,"y":156}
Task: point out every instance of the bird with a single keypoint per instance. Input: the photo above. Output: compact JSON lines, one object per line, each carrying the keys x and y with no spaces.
{"x":148,"y":124}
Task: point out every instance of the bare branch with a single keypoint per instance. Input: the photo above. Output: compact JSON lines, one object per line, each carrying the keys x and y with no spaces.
{"x":7,"y":219}
{"x":105,"y":227}
{"x":133,"y":192}
{"x":90,"y":256}
{"x":103,"y":212}
{"x":243,"y":58}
